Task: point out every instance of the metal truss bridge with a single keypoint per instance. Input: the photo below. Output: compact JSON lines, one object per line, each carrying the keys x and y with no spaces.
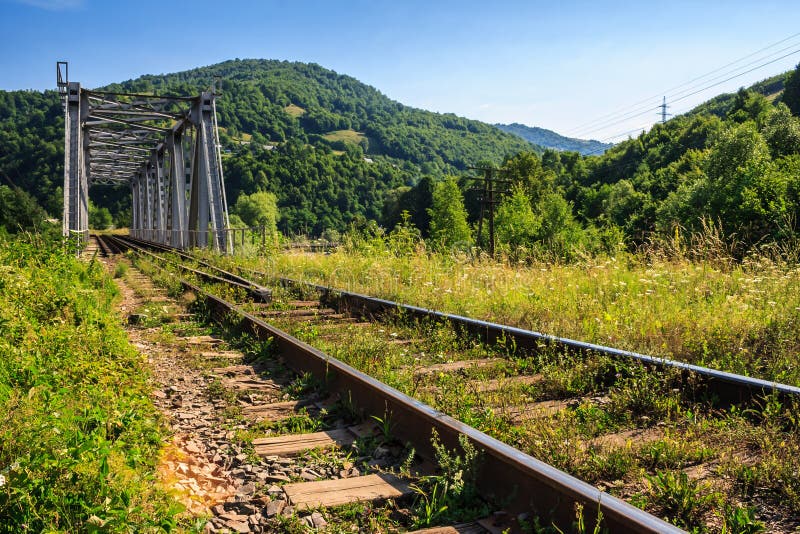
{"x":165,"y":147}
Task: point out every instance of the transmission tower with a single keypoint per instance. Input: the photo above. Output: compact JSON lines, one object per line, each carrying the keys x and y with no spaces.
{"x":664,"y":113}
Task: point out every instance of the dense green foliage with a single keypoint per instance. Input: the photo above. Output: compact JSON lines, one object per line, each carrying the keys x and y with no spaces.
{"x":18,"y":210}
{"x":449,"y":226}
{"x":79,"y":437}
{"x":337,"y":154}
{"x":316,"y":188}
{"x":550,"y":139}
{"x":732,"y":172}
{"x":720,"y":105}
{"x":99,"y":217}
{"x":791,"y":93}
{"x":258,"y":209}
{"x":32,"y":141}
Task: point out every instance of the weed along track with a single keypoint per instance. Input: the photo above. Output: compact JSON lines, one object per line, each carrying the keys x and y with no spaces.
{"x":707,"y":450}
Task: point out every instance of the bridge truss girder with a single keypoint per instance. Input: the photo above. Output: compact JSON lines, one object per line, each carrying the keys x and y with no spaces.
{"x":165,"y":148}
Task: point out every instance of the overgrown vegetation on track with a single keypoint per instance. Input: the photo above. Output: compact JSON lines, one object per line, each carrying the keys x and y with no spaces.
{"x":705,"y":466}
{"x":742,"y":317}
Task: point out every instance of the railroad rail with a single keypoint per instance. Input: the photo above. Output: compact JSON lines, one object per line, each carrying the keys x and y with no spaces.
{"x":730,"y":387}
{"x":506,"y":475}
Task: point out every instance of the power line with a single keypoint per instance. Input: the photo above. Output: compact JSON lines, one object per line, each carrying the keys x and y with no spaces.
{"x":697,"y":91}
{"x":737,"y":68}
{"x":626,"y":118}
{"x":736,"y":76}
{"x":626,"y":108}
{"x":637,"y":105}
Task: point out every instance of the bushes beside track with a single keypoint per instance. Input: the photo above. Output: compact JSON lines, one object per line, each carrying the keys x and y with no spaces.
{"x":79,"y":436}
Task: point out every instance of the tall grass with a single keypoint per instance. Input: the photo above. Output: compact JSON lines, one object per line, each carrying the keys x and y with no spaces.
{"x":78,"y":434}
{"x":741,"y":316}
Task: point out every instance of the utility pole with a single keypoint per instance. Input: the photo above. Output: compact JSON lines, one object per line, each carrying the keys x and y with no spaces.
{"x":664,"y":113}
{"x":490,"y":196}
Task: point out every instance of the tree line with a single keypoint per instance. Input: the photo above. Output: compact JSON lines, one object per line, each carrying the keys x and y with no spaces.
{"x":735,"y":171}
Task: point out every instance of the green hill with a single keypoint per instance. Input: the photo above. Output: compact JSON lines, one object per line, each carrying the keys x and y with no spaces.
{"x":720,"y":105}
{"x":336,"y":151}
{"x":327,"y":145}
{"x":550,"y":139}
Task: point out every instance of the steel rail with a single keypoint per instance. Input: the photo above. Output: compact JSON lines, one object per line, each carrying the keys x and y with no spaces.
{"x":730,"y":387}
{"x":257,"y":292}
{"x":506,"y":475}
{"x":104,"y":246}
{"x":227,"y":275}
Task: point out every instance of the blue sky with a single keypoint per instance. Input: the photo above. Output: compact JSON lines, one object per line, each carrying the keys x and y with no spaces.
{"x":553,"y":64}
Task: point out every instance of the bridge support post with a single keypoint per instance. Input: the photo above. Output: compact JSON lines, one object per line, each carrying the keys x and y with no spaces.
{"x":147,"y":178}
{"x":207,"y":200}
{"x":159,"y":208}
{"x":139,"y":206}
{"x":177,"y":190}
{"x":76,"y":186}
{"x":135,"y":208}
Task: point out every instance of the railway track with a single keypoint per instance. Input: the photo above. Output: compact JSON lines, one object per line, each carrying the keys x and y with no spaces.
{"x":482,"y":373}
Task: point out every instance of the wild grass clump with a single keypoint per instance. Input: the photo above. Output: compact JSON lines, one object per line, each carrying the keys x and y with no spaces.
{"x":78,"y":434}
{"x":120,"y":270}
{"x":452,"y":495}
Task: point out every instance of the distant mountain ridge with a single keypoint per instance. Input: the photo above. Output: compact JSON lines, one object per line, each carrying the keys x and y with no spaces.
{"x":550,"y":139}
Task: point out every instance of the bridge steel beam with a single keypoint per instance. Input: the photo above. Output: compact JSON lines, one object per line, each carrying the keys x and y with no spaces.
{"x":142,"y":141}
{"x":156,"y":175}
{"x":135,"y":223}
{"x":207,"y":197}
{"x":177,"y":191}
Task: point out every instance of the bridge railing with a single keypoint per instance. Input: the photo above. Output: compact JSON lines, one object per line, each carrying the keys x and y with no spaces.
{"x":245,"y":241}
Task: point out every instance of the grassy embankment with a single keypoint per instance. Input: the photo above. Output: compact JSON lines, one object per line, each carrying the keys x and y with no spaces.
{"x":79,"y":437}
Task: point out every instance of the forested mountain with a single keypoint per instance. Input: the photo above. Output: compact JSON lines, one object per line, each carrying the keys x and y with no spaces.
{"x":550,"y":139}
{"x":334,"y":152}
{"x":326,"y":144}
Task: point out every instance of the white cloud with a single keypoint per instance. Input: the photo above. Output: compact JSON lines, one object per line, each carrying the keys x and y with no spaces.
{"x":54,"y":5}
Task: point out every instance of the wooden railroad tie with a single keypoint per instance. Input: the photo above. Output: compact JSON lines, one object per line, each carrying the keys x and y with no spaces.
{"x":375,"y":487}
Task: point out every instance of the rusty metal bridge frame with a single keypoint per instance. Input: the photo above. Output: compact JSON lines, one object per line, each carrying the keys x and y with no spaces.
{"x":165,"y":147}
